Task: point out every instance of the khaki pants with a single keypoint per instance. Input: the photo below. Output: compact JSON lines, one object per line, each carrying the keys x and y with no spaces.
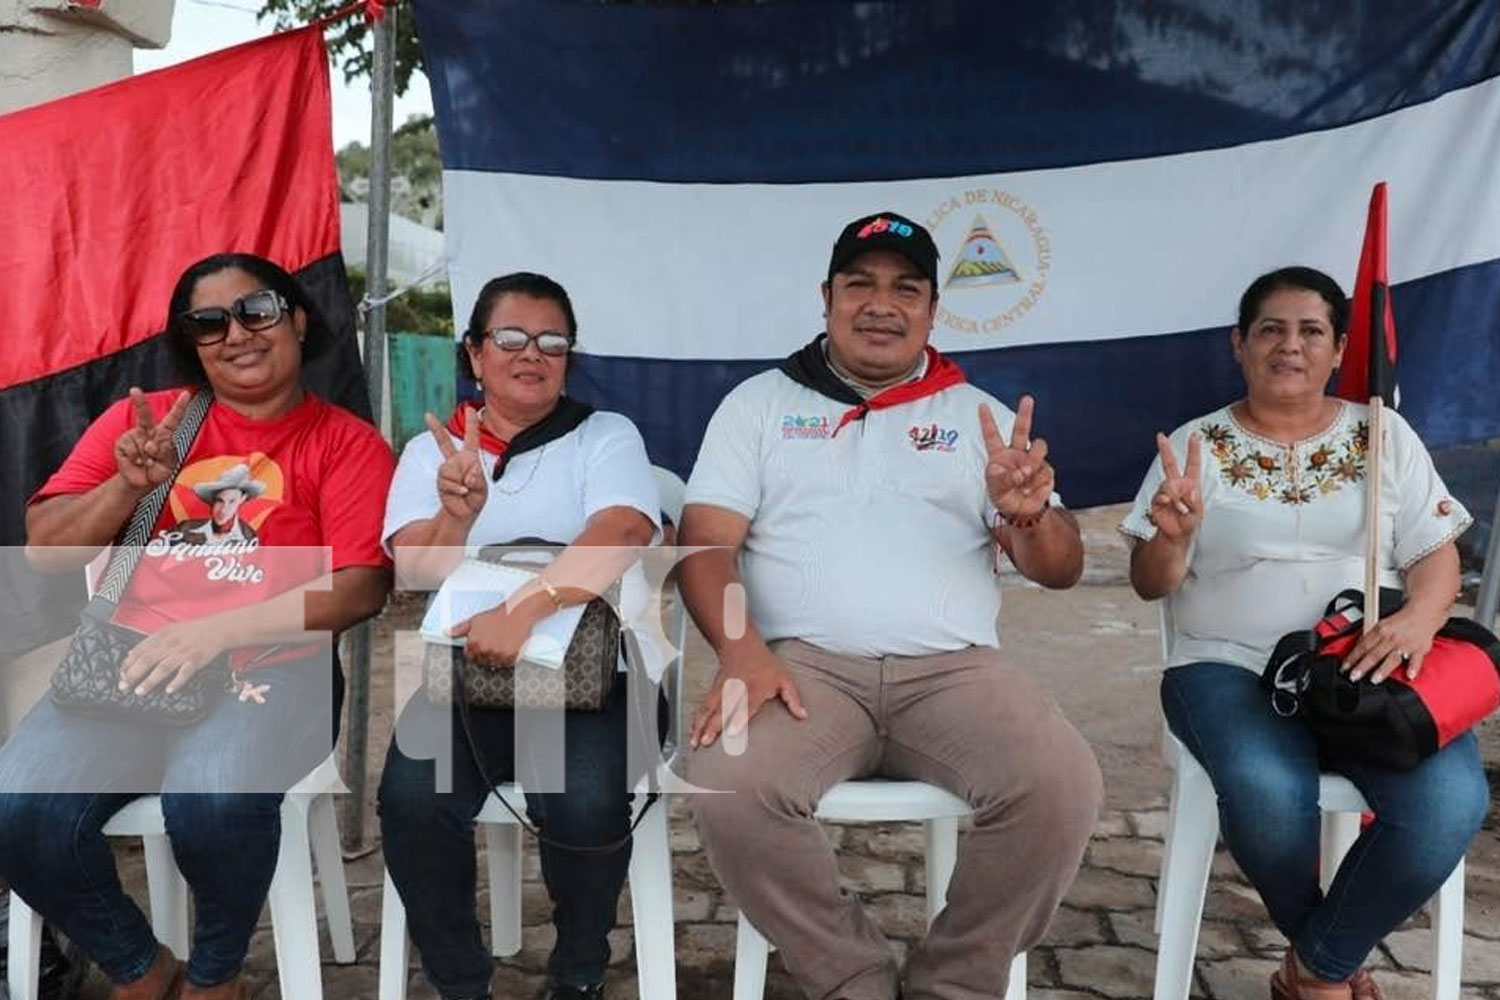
{"x":963,"y":721}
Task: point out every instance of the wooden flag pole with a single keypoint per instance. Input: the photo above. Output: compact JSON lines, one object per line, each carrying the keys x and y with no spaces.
{"x":1373,"y":452}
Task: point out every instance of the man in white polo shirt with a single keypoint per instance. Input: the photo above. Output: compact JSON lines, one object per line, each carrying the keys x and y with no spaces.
{"x":859,"y":494}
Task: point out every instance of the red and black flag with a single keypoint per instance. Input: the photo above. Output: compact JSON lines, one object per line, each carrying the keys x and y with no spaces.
{"x":106,"y":197}
{"x":1369,"y":365}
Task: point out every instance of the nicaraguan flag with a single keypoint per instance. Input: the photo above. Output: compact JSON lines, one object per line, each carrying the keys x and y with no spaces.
{"x":1103,"y":179}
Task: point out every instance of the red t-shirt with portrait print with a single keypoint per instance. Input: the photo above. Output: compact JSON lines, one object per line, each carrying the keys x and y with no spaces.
{"x":258,"y":506}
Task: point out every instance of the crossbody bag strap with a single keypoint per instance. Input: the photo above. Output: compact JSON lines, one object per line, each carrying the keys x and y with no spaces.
{"x":462,"y":702}
{"x":128,"y":549}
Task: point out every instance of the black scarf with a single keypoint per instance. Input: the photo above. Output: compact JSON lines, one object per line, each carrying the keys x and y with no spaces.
{"x":809,"y":367}
{"x":564,"y":419}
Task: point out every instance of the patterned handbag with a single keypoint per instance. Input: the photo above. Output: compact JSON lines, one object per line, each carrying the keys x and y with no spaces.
{"x":584,"y":684}
{"x":87,"y":680}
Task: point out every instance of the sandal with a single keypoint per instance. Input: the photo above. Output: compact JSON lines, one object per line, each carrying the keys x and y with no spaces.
{"x":1287,"y":985}
{"x":159,"y":982}
{"x":1362,"y":986}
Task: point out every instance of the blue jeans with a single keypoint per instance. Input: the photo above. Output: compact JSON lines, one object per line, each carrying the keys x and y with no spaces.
{"x":52,"y":850}
{"x":1265,"y":771}
{"x":428,"y":836}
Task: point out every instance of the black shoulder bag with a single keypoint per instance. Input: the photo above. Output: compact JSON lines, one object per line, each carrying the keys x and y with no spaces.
{"x":87,"y":681}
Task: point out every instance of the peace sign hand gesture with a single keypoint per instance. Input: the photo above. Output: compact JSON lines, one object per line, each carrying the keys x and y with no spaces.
{"x":1177,"y":507}
{"x":461,"y":482}
{"x":1016,"y":474}
{"x":144,"y":454}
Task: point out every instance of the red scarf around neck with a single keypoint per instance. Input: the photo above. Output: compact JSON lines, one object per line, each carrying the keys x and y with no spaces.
{"x":941,"y":374}
{"x":457,"y":425}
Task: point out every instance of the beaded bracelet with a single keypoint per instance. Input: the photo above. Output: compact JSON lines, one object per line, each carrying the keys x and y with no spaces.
{"x":1024,"y":520}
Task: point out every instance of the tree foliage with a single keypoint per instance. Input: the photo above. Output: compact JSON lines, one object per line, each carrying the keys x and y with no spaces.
{"x":414,"y":153}
{"x":416,"y":172}
{"x":348,"y":40}
{"x":421,"y":310}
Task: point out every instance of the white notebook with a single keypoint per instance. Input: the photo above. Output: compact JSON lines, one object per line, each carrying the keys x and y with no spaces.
{"x":479,"y":586}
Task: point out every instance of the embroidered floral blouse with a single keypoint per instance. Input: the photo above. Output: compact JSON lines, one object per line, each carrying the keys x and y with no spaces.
{"x":1283,"y":529}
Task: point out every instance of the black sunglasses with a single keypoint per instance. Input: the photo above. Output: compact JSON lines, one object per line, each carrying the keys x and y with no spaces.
{"x":257,"y":311}
{"x":513,"y":338}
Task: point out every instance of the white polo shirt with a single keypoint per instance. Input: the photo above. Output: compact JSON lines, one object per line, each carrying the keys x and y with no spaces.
{"x":872,"y":543}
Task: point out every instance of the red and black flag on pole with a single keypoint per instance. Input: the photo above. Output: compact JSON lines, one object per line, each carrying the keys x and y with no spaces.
{"x":1369,"y":365}
{"x":106,"y":197}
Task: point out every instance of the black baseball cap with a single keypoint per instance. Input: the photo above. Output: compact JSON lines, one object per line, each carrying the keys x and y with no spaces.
{"x":886,"y":231}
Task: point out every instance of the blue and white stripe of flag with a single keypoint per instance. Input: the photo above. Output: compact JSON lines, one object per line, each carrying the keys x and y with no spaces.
{"x":683,"y":172}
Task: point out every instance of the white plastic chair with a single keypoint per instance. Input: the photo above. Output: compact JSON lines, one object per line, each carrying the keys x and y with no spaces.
{"x":1192,"y":831}
{"x":879,"y":801}
{"x":672,"y":490}
{"x":650,"y":873}
{"x":309,"y":831}
{"x":1188,"y":853}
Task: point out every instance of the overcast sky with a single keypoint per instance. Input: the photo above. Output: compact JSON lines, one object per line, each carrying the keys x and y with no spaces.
{"x":203,"y":26}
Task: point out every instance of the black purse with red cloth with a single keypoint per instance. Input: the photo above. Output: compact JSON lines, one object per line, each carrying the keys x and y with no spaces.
{"x":1399,"y":722}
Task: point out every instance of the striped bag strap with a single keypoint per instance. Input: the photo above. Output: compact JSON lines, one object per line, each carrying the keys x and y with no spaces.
{"x":128,"y":550}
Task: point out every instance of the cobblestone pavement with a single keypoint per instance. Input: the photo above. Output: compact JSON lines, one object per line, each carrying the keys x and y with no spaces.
{"x":1096,"y":649}
{"x":1101,"y":943}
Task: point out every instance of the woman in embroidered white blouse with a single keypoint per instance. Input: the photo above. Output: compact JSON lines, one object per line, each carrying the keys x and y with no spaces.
{"x":1249,"y":523}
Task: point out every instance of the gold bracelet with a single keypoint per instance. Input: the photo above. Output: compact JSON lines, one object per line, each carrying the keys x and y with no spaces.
{"x":551,"y":591}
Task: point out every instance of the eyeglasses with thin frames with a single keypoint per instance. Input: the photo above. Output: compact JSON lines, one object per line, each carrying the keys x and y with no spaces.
{"x":512,"y":338}
{"x":256,"y":311}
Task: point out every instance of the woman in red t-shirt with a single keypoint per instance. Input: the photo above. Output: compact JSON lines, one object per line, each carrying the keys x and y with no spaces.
{"x":268,"y":545}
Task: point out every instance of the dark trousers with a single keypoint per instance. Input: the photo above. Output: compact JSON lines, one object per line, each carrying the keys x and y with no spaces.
{"x":428,"y":834}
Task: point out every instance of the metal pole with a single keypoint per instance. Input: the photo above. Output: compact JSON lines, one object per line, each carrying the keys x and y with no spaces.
{"x":1489,"y":581}
{"x":382,"y":90}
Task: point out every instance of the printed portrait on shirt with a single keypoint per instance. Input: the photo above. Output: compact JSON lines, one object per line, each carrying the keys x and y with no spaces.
{"x":230,"y":499}
{"x":216,"y":521}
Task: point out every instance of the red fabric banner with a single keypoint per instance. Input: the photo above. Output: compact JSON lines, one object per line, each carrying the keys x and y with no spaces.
{"x":1365,"y":373}
{"x":106,"y":196}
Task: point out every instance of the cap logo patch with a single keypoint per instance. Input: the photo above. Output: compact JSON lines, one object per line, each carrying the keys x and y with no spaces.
{"x":883,"y":225}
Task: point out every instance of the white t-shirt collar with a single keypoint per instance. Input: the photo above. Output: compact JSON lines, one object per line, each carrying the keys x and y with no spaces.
{"x":865,"y":392}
